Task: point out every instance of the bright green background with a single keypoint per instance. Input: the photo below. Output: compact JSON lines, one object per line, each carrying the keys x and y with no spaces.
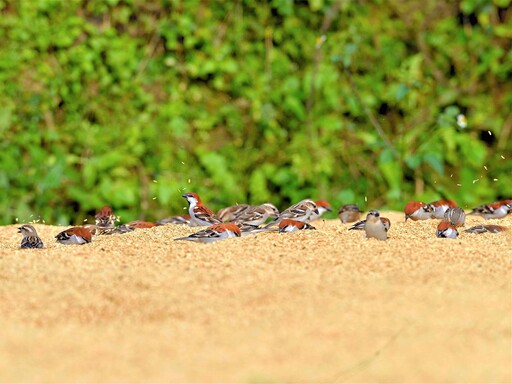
{"x":245,"y":101}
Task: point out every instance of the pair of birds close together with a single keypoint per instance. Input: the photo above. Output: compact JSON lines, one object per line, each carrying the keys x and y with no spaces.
{"x":452,"y":216}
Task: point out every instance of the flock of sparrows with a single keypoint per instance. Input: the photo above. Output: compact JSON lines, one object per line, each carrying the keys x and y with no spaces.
{"x":243,"y":219}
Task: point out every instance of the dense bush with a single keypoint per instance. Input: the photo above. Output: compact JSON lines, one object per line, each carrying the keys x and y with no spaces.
{"x":250,"y":101}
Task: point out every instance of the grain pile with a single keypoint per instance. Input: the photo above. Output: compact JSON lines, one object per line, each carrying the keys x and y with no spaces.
{"x":315,"y":306}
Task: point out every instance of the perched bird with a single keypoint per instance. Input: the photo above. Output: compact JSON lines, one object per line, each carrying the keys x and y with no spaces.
{"x":133,"y":225}
{"x":374,"y":225}
{"x":447,"y":230}
{"x":288,"y":225}
{"x":178,"y":219}
{"x":30,"y":237}
{"x":301,"y":211}
{"x":496,"y":210}
{"x":200,"y":214}
{"x":322,"y":206}
{"x":416,"y":210}
{"x":440,"y":207}
{"x":105,"y":221}
{"x":256,"y":215}
{"x":214,"y":232}
{"x":455,"y":216}
{"x":478,"y":229}
{"x":74,"y":235}
{"x":229,"y":213}
{"x":349,"y":213}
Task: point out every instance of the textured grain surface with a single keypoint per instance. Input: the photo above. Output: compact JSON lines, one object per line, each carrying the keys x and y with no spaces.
{"x":325,"y":305}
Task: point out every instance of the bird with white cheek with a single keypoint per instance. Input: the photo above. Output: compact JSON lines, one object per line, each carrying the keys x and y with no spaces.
{"x":447,"y":230}
{"x":455,"y":216}
{"x":200,"y":214}
{"x":496,"y":210}
{"x":214,"y":233}
{"x":349,"y":213}
{"x":375,"y":226}
{"x":322,"y":206}
{"x":441,"y":206}
{"x":417,"y":210}
{"x":74,"y":235}
{"x":287,"y":226}
{"x":30,"y":237}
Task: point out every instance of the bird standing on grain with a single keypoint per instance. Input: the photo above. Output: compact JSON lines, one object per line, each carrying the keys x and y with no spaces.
{"x":496,"y":210}
{"x":349,"y":213}
{"x":200,"y":214}
{"x":455,"y":216}
{"x":214,"y":233}
{"x":105,"y":221}
{"x":478,"y":229}
{"x":417,"y":210}
{"x":30,"y":237}
{"x":133,"y":225}
{"x":375,"y":226}
{"x":302,"y":211}
{"x":74,"y":235}
{"x":441,"y":206}
{"x":447,"y":230}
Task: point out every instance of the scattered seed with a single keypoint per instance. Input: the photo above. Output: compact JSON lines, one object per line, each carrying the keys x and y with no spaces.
{"x":459,"y":185}
{"x":154,"y":181}
{"x":451,"y":175}
{"x":485,"y":168}
{"x":474,"y":181}
{"x":154,"y":198}
{"x":495,"y":179}
{"x":189,"y":181}
{"x":183,"y":163}
{"x":503,"y":157}
{"x":366,"y":199}
{"x":490,"y":133}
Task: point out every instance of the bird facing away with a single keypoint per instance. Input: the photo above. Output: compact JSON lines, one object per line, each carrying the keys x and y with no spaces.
{"x":349,"y":213}
{"x":214,"y":233}
{"x":177,"y":219}
{"x":74,"y":235}
{"x":200,"y":214}
{"x":30,"y":237}
{"x":230,"y":213}
{"x":455,"y":216}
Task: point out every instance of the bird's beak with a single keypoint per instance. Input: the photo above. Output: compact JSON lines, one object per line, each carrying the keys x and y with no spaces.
{"x":329,"y":209}
{"x":19,"y":230}
{"x":406,"y":217}
{"x":184,"y":195}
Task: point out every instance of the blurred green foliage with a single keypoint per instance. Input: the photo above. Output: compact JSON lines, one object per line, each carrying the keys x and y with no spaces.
{"x":250,"y":101}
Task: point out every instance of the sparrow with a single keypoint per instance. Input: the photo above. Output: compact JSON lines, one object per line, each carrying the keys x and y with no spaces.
{"x":200,"y":214}
{"x":440,"y":207}
{"x":229,"y":213}
{"x":447,"y":230}
{"x":288,"y":225}
{"x":349,"y":213}
{"x":486,"y":228}
{"x":376,"y":226}
{"x":322,"y":207}
{"x":30,"y":237}
{"x":74,"y":235}
{"x":416,"y":210}
{"x":301,"y":211}
{"x":178,"y":219}
{"x":360,"y":224}
{"x":256,"y":215}
{"x":455,"y":216}
{"x":496,"y":210}
{"x":214,"y":233}
{"x":105,"y":221}
{"x":133,"y":225}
